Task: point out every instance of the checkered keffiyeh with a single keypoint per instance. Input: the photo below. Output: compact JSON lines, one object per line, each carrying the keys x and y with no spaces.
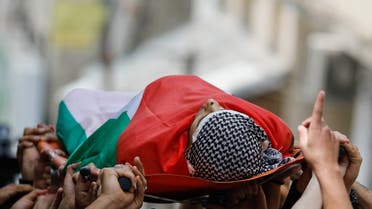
{"x":227,"y":146}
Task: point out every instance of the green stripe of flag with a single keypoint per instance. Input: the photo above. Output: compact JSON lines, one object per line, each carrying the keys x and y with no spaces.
{"x":69,"y":130}
{"x":90,"y":123}
{"x":100,"y":147}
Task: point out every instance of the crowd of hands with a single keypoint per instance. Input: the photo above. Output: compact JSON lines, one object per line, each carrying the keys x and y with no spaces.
{"x":67,"y":189}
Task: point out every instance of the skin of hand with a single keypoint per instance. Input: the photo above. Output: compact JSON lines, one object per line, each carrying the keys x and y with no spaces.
{"x":306,"y":175}
{"x":304,"y":179}
{"x":86,"y":190}
{"x":364,"y":195}
{"x":42,"y":177}
{"x":28,"y":201}
{"x":320,"y":148}
{"x":139,"y":193}
{"x":27,"y":153}
{"x":44,"y":201}
{"x":139,"y":171}
{"x":276,"y":193}
{"x":68,"y":194}
{"x":318,"y":142}
{"x":112,"y":196}
{"x":42,"y":172}
{"x":11,"y":190}
{"x":352,"y":161}
{"x":284,"y":190}
{"x":57,"y":200}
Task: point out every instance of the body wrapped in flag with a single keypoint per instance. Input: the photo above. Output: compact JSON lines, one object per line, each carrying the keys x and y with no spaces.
{"x":154,"y":125}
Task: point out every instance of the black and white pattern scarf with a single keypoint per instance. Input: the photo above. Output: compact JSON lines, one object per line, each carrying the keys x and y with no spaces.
{"x":227,"y":146}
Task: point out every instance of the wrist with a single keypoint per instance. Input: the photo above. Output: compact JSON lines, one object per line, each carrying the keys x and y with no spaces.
{"x":100,"y":202}
{"x":329,"y":176}
{"x":107,"y":202}
{"x":363,"y":194}
{"x":327,"y":171}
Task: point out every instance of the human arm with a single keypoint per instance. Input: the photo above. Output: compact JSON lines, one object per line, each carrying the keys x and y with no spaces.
{"x":28,"y":201}
{"x":27,"y":153}
{"x":351,"y":162}
{"x":66,"y":195}
{"x":298,"y":186}
{"x":364,"y":195}
{"x":320,"y":148}
{"x":308,"y":194}
{"x":44,"y":201}
{"x":11,"y":190}
{"x":34,"y":163}
{"x":273,"y":194}
{"x":112,"y":196}
{"x":86,"y":186}
{"x":276,"y":190}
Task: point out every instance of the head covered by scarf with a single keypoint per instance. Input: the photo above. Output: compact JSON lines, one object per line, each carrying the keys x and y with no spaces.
{"x":227,"y":146}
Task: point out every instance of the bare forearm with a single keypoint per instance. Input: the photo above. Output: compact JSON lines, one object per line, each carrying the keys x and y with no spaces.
{"x":334,"y":193}
{"x":103,"y":203}
{"x":364,"y":195}
{"x":272,"y":193}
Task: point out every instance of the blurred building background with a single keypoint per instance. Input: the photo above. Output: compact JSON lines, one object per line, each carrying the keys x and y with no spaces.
{"x":275,"y":53}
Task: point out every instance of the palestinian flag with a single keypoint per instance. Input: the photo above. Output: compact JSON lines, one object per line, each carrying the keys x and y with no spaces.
{"x":90,"y":122}
{"x":107,"y":128}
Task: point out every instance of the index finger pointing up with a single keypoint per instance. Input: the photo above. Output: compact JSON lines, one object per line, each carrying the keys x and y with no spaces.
{"x":316,"y":118}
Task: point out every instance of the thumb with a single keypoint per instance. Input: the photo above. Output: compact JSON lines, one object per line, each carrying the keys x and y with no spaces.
{"x":302,"y":133}
{"x":57,"y":199}
{"x":33,"y":195}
